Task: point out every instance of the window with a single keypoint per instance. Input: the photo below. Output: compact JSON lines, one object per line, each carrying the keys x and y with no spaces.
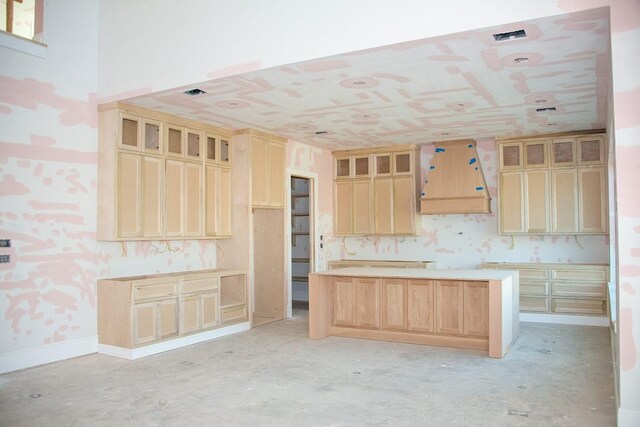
{"x":22,"y":18}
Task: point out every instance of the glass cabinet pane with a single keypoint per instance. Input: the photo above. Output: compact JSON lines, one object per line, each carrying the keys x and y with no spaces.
{"x":535,"y":154}
{"x":511,"y":155}
{"x":403,"y":163}
{"x":152,"y":137}
{"x":563,"y":152}
{"x":590,"y":151}
{"x":211,"y":148}
{"x":193,"y":144}
{"x":342,"y":167}
{"x":362,"y":166}
{"x":175,"y":141}
{"x":129,"y":132}
{"x":224,"y":150}
{"x":383,"y":165}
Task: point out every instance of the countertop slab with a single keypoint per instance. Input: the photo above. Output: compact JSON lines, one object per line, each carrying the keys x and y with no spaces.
{"x":419,"y":273}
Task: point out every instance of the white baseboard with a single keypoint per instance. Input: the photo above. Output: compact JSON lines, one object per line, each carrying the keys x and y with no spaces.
{"x":565,"y":319}
{"x":148,"y":350}
{"x":628,"y":417}
{"x":35,"y":356}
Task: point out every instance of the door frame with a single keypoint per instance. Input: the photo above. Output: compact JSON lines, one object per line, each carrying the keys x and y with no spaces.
{"x":313,"y":226}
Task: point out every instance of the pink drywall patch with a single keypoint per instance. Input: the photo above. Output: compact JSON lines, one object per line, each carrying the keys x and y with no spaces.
{"x":10,"y":187}
{"x":627,"y":288}
{"x":626,"y":108}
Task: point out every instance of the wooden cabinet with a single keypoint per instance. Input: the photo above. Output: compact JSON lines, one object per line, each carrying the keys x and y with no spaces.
{"x":344,"y":302}
{"x":476,"y":308}
{"x":217,"y":201}
{"x":375,"y":191}
{"x":151,"y":176}
{"x":558,"y":186}
{"x":449,"y":298}
{"x":560,"y":288}
{"x":367,"y":302}
{"x":421,"y":306}
{"x":268,"y":158}
{"x":394,"y":304}
{"x":136,"y":311}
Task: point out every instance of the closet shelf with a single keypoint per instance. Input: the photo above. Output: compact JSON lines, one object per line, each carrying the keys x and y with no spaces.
{"x":300,"y":278}
{"x":299,"y":259}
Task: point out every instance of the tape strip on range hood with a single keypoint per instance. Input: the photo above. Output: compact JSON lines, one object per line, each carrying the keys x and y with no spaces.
{"x":455,"y":182}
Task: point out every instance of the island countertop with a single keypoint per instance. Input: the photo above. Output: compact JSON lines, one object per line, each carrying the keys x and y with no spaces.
{"x":419,"y":273}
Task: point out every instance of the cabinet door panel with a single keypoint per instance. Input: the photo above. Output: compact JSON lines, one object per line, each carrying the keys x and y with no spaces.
{"x":368,"y":299}
{"x":511,"y":202}
{"x":536,"y":201}
{"x":476,"y":309}
{"x":173,"y":185}
{"x":259,"y":172}
{"x":211,"y":215}
{"x":592,"y":193}
{"x":224,"y":202}
{"x":276,"y":175}
{"x":144,"y":322}
{"x":129,"y":131}
{"x":193,"y":199}
{"x":404,"y":205}
{"x":420,"y":308}
{"x":591,"y":150}
{"x":342,"y":208}
{"x":129,"y":188}
{"x":168,"y":318}
{"x":152,"y":184}
{"x":383,"y":205}
{"x":511,"y":155}
{"x":449,"y":300}
{"x":209,"y":309}
{"x":361,"y":207}
{"x":344,"y":302}
{"x":190,"y":314}
{"x":394,"y":297}
{"x":564,"y":201}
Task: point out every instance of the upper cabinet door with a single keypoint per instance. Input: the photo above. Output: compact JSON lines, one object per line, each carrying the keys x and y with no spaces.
{"x":152,"y":137}
{"x":192,"y":194}
{"x":511,"y":203}
{"x":225,"y":151}
{"x":211,"y":147}
{"x":402,"y":164}
{"x":194,"y":145}
{"x":511,"y":155}
{"x":152,"y":196}
{"x":591,"y":150}
{"x":563,"y":152}
{"x":175,"y":140}
{"x":535,"y":154}
{"x":342,"y":166}
{"x":342,"y":208}
{"x":361,"y":167}
{"x":276,"y":174}
{"x":592,"y":197}
{"x":383,"y":164}
{"x":259,"y":172}
{"x":128,"y":196}
{"x":536,"y":192}
{"x":129,"y":132}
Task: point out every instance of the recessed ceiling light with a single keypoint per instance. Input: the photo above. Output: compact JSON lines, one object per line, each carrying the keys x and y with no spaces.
{"x":521,"y":60}
{"x":511,"y":35}
{"x":194,"y":92}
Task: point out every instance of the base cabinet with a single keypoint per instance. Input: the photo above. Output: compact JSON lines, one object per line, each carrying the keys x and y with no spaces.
{"x":137,"y":311}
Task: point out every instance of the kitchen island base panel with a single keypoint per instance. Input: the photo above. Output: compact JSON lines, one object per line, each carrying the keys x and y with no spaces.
{"x":503,"y":296}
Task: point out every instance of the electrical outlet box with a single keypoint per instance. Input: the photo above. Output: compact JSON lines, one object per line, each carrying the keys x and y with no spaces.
{"x":5,"y":243}
{"x":4,"y":259}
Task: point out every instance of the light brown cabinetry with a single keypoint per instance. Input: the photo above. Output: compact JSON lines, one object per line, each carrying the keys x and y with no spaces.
{"x":394,"y":303}
{"x":268,"y":158}
{"x":375,"y":191}
{"x":421,"y":306}
{"x":151,"y":176}
{"x":449,"y":295}
{"x":367,"y":302}
{"x":553,"y":186}
{"x":136,"y":311}
{"x":560,"y":288}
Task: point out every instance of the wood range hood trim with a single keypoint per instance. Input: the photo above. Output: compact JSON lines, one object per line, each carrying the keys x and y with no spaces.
{"x":455,"y":182}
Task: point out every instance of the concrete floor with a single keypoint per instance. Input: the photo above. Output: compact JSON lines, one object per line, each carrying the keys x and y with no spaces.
{"x":273,"y":375}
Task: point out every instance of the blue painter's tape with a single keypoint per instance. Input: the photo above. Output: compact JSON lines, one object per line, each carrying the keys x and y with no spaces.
{"x":472,"y":160}
{"x":470,"y":146}
{"x":476,"y":168}
{"x":439,"y":150}
{"x":432,"y":167}
{"x":479,"y":188}
{"x":422,"y":193}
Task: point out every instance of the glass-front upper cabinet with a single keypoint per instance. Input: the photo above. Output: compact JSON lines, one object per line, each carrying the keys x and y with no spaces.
{"x":591,"y":150}
{"x":563,"y":152}
{"x":402,"y":164}
{"x":361,"y":167}
{"x":152,"y":136}
{"x":383,"y":164}
{"x":225,"y":151}
{"x":129,"y":132}
{"x":175,"y":143}
{"x":535,"y":154}
{"x":511,"y":155}
{"x":211,"y":148}
{"x":342,"y":167}
{"x":194,"y":144}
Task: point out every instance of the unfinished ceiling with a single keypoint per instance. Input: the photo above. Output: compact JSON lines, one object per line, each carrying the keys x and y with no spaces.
{"x":465,"y":85}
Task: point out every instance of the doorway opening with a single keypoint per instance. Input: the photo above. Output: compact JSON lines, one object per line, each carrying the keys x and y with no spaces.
{"x":302,"y":242}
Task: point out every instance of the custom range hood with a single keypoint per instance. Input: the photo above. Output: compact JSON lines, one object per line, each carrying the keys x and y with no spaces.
{"x":455,"y":182}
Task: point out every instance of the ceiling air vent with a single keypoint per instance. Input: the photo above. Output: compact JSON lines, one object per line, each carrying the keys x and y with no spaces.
{"x":511,"y":35}
{"x":194,"y":92}
{"x":321,"y":132}
{"x":544,"y":110}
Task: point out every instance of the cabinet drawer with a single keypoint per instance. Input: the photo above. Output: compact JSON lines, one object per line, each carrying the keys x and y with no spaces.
{"x":154,"y":291}
{"x":533,"y":274}
{"x":534,"y":304}
{"x":578,"y":289}
{"x":597,"y":275}
{"x":210,"y":284}
{"x":534,"y":288}
{"x":578,"y":306}
{"x":234,"y":314}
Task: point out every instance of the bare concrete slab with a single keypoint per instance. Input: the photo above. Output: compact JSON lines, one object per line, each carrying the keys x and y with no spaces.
{"x":273,"y":375}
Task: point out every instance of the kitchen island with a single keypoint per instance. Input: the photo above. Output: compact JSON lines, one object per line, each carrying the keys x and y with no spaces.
{"x":474,"y":309}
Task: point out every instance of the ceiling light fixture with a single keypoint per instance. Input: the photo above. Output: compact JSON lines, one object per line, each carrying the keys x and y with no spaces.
{"x":511,"y":35}
{"x":194,"y":92}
